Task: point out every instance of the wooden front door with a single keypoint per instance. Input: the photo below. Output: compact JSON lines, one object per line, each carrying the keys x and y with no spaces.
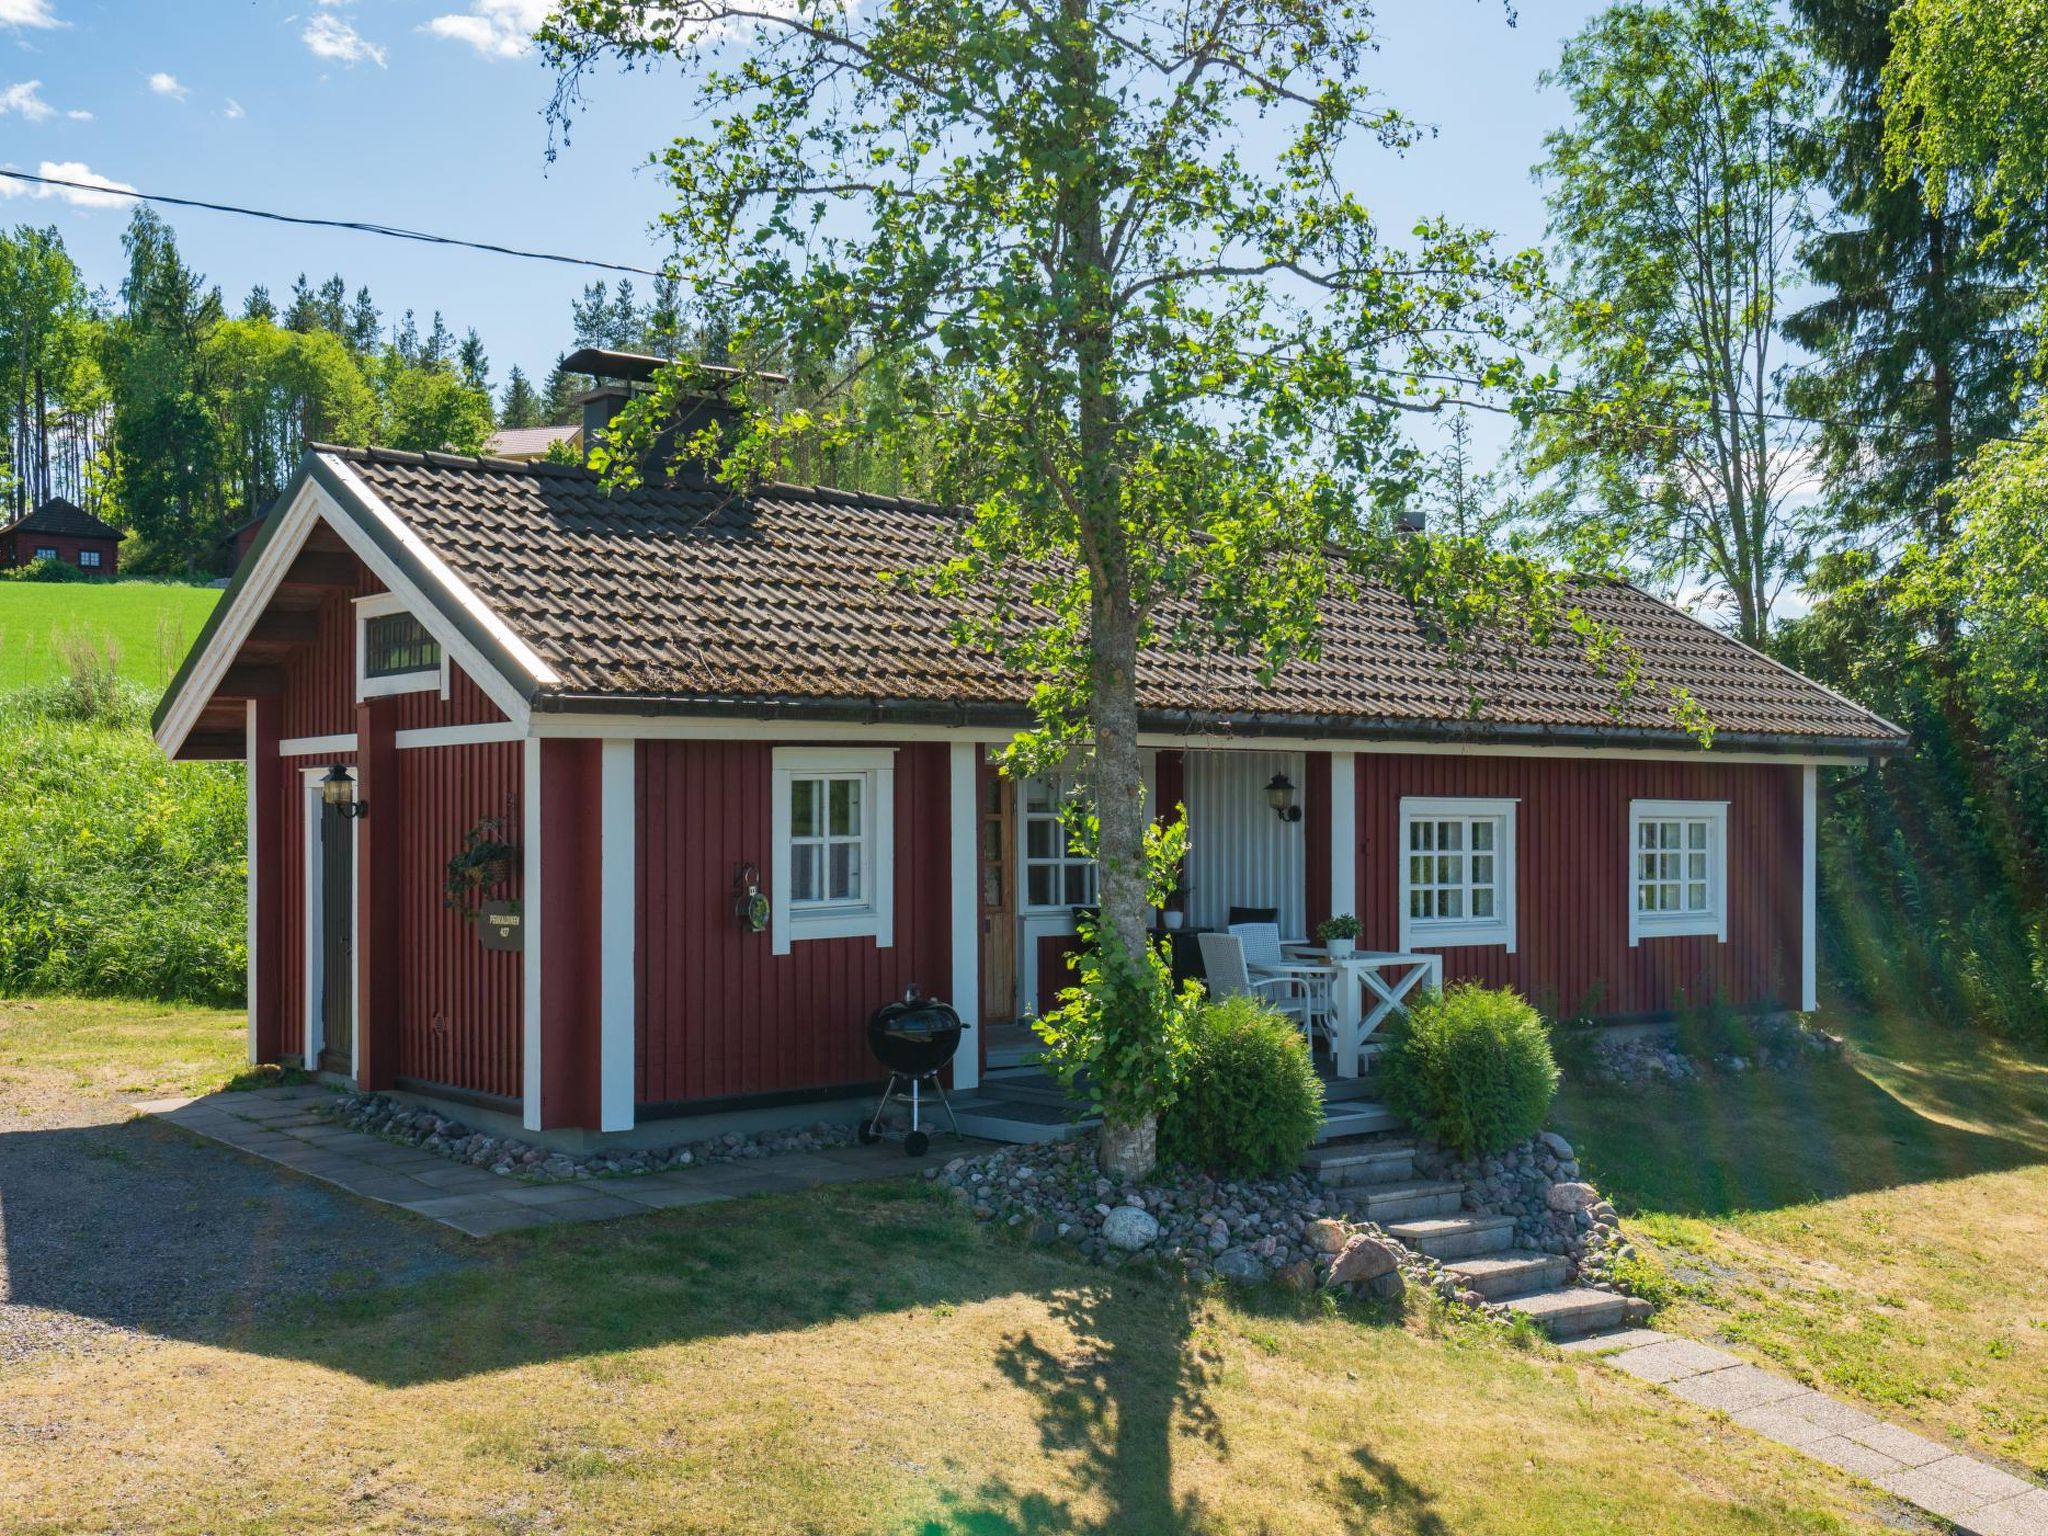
{"x":337,"y":954}
{"x":998,"y":898}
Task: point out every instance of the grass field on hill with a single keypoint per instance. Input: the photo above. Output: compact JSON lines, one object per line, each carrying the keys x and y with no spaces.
{"x":150,"y":625}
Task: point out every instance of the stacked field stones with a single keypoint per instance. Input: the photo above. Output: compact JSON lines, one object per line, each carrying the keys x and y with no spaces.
{"x":512,"y":1158}
{"x":1287,"y":1229}
{"x":1537,"y":1183}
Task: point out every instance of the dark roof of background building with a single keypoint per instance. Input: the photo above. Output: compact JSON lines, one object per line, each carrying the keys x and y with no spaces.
{"x":63,"y":519}
{"x":685,"y":594}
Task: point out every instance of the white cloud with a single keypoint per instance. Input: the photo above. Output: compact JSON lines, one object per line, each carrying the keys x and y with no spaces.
{"x":27,"y":13}
{"x":79,"y":115}
{"x":167,"y":85}
{"x":26,"y":99}
{"x":331,"y":37}
{"x":78,"y":197}
{"x":497,"y":29}
{"x":232,"y":109}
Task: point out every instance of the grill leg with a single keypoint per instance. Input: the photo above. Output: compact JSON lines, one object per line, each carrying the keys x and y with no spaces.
{"x":940,"y":1089}
{"x":914,"y":1082}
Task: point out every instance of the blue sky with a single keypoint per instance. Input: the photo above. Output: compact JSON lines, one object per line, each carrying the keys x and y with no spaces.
{"x":430,"y":114}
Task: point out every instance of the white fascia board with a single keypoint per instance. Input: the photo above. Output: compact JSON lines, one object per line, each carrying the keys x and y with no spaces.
{"x":709,"y":727}
{"x":295,"y":522}
{"x":426,"y":606}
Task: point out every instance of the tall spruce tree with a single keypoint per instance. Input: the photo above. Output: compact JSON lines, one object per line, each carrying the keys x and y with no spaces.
{"x":521,"y":407}
{"x":1918,"y":335}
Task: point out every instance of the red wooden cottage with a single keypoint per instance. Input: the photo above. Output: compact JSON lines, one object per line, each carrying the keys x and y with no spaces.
{"x":63,"y":531}
{"x":671,"y":698}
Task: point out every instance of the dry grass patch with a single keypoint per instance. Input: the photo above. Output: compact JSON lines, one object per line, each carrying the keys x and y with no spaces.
{"x":865,"y":1360}
{"x":1878,"y":1226}
{"x":59,"y":1053}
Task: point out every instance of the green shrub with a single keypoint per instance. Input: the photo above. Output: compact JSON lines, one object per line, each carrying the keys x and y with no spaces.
{"x":45,"y":569}
{"x":121,"y":874}
{"x":1713,"y":1031}
{"x":1471,"y":1067}
{"x":1250,"y":1101}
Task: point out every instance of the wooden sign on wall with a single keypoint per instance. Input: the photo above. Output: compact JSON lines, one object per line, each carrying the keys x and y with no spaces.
{"x":499,"y":926}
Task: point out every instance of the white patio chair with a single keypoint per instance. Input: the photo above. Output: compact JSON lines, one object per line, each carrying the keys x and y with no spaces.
{"x":1227,"y":976}
{"x":1264,"y":956}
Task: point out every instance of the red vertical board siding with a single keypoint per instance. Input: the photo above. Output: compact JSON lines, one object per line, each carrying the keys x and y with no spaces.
{"x":1315,"y":827}
{"x":461,"y":1005}
{"x":1571,"y":868}
{"x":718,"y":1014}
{"x":570,"y":936}
{"x":320,"y":678}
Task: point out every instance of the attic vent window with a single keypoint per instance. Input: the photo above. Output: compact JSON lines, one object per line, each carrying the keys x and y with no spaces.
{"x":395,"y":652}
{"x":395,"y":644}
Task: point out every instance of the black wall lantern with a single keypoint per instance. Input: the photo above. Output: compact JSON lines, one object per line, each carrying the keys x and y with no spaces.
{"x":339,"y":791}
{"x":1280,"y":796}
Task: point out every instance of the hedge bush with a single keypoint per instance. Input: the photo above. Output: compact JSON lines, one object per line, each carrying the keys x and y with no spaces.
{"x":1249,"y":1100}
{"x":1470,"y":1067}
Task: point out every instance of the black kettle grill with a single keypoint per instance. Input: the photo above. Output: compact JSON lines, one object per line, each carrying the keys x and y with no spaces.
{"x":914,"y":1039}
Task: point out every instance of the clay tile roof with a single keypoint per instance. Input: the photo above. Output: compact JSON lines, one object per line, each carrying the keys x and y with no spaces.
{"x":65,"y":519}
{"x":690,"y":593}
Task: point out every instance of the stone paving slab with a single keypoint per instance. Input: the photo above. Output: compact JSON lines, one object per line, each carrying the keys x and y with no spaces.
{"x":284,"y":1126}
{"x":1979,"y":1498}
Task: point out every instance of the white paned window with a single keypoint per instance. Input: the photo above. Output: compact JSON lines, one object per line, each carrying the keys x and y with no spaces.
{"x":833,"y":829}
{"x":827,"y":841}
{"x":46,"y":552}
{"x":88,"y":559}
{"x":1056,"y":872}
{"x":1457,"y":873}
{"x":395,"y":652}
{"x":1678,"y":868}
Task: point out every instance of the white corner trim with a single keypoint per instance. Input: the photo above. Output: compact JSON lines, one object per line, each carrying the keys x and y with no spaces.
{"x":1809,"y":888}
{"x":1343,"y":833}
{"x":1430,"y":935}
{"x":965,"y":854}
{"x":252,"y":772}
{"x":309,"y":869}
{"x":618,"y":975}
{"x":876,"y":917}
{"x":464,"y":595}
{"x":1713,"y":923}
{"x":531,"y":917}
{"x":458,"y":735}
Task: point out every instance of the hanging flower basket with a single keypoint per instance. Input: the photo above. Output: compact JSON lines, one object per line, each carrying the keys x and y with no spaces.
{"x":487,"y":863}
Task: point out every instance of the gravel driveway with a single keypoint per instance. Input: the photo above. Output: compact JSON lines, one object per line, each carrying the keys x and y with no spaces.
{"x":112,"y":1226}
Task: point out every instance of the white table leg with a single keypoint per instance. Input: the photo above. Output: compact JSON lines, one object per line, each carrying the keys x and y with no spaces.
{"x":1348,"y":1036}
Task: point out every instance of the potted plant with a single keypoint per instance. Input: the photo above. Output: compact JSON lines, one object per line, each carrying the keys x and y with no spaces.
{"x":1339,"y":935}
{"x":488,"y":860}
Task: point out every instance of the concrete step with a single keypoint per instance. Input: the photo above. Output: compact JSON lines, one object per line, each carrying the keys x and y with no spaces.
{"x":1455,"y":1237}
{"x":1030,"y":1085}
{"x":1341,"y":1089}
{"x":993,"y":1118}
{"x":1389,"y":1203}
{"x":1573,"y":1313}
{"x":1346,"y":1165}
{"x":1356,"y":1117}
{"x":1001,"y":1057}
{"x":1511,"y":1272}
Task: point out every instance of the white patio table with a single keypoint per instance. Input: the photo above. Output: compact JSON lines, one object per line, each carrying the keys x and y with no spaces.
{"x":1384,"y":976}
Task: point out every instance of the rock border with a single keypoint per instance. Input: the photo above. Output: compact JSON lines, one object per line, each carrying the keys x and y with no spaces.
{"x":509,"y":1157}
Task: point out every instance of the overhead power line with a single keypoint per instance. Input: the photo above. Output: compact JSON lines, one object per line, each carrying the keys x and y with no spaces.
{"x":358,"y":226}
{"x":424,"y":237}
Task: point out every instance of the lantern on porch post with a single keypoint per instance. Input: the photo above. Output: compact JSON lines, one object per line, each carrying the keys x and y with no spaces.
{"x":338,"y":789}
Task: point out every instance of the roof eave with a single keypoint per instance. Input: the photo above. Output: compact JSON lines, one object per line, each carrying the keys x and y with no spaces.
{"x":971,"y":713}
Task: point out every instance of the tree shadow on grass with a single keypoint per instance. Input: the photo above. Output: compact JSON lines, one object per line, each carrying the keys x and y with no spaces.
{"x":1907,"y":1104}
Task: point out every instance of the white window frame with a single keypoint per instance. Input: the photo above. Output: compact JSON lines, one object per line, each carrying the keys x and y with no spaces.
{"x":874,"y":917}
{"x":427,"y":679}
{"x":1063,"y":787}
{"x":89,"y":560}
{"x":45,"y":552}
{"x":1425,"y":934}
{"x":1660,"y":925}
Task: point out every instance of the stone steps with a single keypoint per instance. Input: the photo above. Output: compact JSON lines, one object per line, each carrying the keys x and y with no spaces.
{"x":1356,"y":1117}
{"x":1346,"y":1166}
{"x":1572,"y":1313}
{"x":1512,"y":1272}
{"x":1454,"y":1237}
{"x":1387,"y":1204}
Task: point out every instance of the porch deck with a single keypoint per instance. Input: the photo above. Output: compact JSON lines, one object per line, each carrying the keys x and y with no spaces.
{"x":1024,"y":1104}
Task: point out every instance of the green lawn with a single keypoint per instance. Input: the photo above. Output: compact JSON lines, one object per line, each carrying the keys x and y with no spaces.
{"x":854,"y":1360}
{"x":1877,"y":1225}
{"x":150,"y":624}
